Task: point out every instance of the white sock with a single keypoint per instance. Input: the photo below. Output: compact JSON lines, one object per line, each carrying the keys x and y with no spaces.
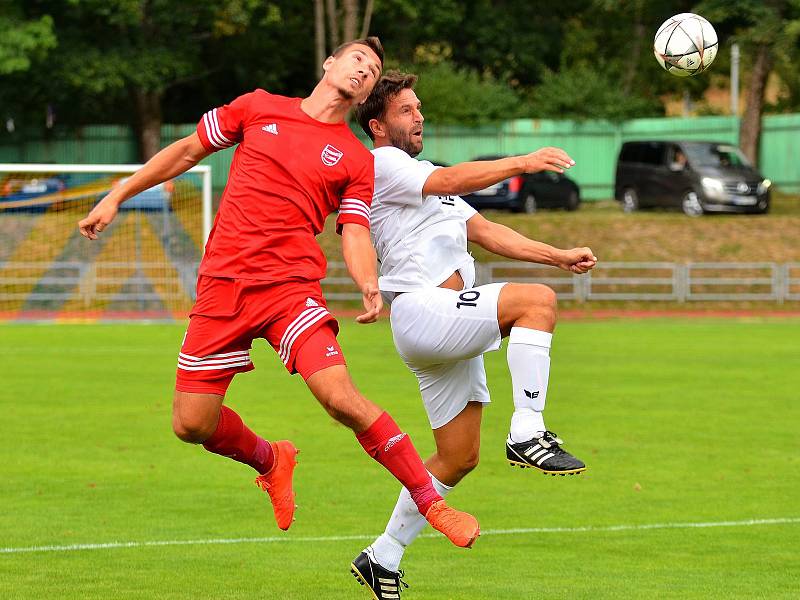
{"x":403,"y":527}
{"x":529,"y":363}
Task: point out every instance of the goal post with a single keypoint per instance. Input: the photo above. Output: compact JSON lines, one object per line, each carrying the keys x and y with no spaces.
{"x":142,"y":267}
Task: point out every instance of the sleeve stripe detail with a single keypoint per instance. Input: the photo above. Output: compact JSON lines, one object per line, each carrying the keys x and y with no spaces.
{"x":213,"y":132}
{"x":215,"y":122}
{"x":352,"y":206}
{"x":354,"y":203}
{"x":355,"y":211}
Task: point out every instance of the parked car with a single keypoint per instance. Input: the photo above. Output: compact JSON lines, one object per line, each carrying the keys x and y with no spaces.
{"x":697,"y":177}
{"x":31,"y":192}
{"x":31,"y":186}
{"x":528,"y":192}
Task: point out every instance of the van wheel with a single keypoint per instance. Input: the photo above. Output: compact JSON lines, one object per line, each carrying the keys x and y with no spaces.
{"x":529,"y":204}
{"x":691,"y":205}
{"x":573,"y":201}
{"x":630,"y":200}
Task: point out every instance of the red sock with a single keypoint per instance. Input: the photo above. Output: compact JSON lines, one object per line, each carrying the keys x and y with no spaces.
{"x":384,"y":442}
{"x":233,"y":439}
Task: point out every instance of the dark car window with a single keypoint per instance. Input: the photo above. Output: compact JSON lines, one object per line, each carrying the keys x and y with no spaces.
{"x":630,"y":153}
{"x":652,"y":154}
{"x":716,"y":155}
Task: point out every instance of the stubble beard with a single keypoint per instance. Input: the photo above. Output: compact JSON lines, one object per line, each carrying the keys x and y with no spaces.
{"x":402,"y":139}
{"x":346,"y":94}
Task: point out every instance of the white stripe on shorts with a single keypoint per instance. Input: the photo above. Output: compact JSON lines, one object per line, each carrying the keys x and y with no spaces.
{"x":242,"y":363}
{"x":306,"y":319}
{"x":225,"y":360}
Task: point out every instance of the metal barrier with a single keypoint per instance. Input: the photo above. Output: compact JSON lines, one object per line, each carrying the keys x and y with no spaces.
{"x":56,"y":283}
{"x":665,"y":281}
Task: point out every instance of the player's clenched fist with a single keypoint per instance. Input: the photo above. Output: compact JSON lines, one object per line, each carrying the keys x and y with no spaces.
{"x":98,"y":219}
{"x":547,"y":159}
{"x":577,"y":260}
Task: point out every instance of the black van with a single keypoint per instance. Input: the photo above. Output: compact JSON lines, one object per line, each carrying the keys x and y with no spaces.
{"x":697,"y":177}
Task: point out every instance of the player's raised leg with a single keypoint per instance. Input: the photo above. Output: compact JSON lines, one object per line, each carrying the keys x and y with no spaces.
{"x":203,"y":419}
{"x":457,"y":451}
{"x":383,"y":440}
{"x":217,"y":347}
{"x":527,"y":314}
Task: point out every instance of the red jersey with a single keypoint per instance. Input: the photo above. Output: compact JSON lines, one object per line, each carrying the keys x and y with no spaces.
{"x":288,"y":174}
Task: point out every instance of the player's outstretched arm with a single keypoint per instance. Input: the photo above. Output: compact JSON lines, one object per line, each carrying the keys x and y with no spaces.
{"x":361,"y":261}
{"x":170,"y":162}
{"x":468,"y":177}
{"x":504,"y":241}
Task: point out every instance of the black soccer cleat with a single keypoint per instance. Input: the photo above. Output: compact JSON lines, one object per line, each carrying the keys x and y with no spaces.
{"x":544,"y":453}
{"x":384,"y":584}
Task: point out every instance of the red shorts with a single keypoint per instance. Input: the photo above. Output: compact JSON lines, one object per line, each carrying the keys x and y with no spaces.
{"x":230,"y":313}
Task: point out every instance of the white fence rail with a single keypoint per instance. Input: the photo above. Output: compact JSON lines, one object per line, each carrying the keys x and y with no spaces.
{"x":60,"y":282}
{"x":664,"y":281}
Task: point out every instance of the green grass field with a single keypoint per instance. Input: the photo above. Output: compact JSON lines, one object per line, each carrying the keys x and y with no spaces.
{"x":680,"y":422}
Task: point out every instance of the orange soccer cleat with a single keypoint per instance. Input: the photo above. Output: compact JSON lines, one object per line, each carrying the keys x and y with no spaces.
{"x":460,"y":528}
{"x":278,"y":482}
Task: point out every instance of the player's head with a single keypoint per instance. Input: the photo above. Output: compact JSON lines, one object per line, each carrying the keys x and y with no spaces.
{"x":354,"y":67}
{"x":391,"y":115}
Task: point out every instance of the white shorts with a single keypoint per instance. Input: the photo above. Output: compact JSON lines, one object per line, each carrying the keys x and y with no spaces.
{"x":441,"y":335}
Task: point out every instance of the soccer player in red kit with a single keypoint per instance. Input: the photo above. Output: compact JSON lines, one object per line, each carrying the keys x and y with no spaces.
{"x":296,"y":162}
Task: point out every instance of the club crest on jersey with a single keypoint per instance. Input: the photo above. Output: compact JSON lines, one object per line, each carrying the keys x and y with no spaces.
{"x":330,"y":155}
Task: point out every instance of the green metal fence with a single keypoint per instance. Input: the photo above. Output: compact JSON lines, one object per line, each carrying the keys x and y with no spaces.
{"x":593,"y":144}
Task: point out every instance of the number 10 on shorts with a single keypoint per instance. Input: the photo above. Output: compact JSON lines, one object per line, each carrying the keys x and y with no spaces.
{"x":468,"y":298}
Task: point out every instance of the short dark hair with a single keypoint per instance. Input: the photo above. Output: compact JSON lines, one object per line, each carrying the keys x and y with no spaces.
{"x":371,"y":42}
{"x":391,"y":84}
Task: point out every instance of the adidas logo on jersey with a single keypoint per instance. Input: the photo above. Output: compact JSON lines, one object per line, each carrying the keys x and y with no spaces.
{"x":311,"y":302}
{"x":271,"y":128}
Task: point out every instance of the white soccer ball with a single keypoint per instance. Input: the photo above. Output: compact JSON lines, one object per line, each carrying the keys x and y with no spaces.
{"x":685,"y":45}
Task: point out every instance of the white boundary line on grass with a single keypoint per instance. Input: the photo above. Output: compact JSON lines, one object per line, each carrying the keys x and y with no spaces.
{"x":342,"y":538}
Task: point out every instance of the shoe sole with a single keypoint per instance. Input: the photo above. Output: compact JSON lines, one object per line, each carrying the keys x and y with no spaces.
{"x":578,"y":471}
{"x":472,"y":541}
{"x":360,"y":579}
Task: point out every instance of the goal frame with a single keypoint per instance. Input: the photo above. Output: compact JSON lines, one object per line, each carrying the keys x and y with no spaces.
{"x":171,"y":289}
{"x":204,"y":170}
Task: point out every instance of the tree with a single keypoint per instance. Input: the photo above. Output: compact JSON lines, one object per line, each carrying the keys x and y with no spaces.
{"x":766,"y":29}
{"x":585,"y":93}
{"x":21,"y":41}
{"x":345,"y":22}
{"x":479,"y":99}
{"x":132,"y":52}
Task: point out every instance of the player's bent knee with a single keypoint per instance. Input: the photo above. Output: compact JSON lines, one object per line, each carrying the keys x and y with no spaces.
{"x":544,"y":304}
{"x":543,"y":296}
{"x":192,"y":431}
{"x":549,"y":296}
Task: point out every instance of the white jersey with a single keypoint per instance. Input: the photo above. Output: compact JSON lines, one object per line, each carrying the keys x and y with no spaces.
{"x":420,"y":241}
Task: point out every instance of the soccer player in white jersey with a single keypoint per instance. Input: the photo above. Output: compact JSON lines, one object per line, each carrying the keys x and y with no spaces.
{"x":441,"y":324}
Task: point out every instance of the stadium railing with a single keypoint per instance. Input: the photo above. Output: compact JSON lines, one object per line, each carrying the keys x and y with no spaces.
{"x":664,"y":281}
{"x":115,"y":291}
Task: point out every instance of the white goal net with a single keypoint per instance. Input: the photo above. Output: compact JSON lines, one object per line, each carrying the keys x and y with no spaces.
{"x":143,"y":266}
